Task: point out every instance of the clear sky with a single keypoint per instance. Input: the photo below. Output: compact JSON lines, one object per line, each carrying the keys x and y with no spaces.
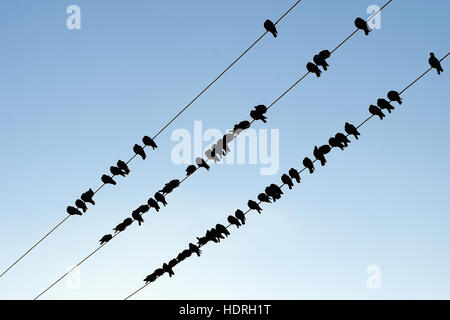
{"x":73,"y":102}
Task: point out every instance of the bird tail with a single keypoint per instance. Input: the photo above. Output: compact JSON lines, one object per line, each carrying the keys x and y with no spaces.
{"x":311,"y":170}
{"x":367,"y":31}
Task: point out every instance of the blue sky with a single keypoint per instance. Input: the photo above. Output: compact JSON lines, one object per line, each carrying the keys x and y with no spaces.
{"x":73,"y":102}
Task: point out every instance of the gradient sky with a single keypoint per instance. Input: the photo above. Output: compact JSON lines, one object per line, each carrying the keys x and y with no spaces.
{"x":73,"y":102}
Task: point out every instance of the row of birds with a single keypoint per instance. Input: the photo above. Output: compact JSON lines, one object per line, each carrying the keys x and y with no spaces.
{"x":272,"y":193}
{"x":121,"y":169}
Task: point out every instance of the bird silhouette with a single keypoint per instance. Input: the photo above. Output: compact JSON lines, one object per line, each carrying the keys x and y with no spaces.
{"x":222,"y":230}
{"x":307,"y":162}
{"x":143,"y":208}
{"x":172,"y":263}
{"x":81,"y":205}
{"x":153,"y":204}
{"x":149,"y":142}
{"x":264,"y":198}
{"x":120,"y":227}
{"x":362,"y":25}
{"x":123,"y":166}
{"x":185,"y":254}
{"x":234,"y":220}
{"x":270,"y":27}
{"x":159,"y":272}
{"x":258,"y":116}
{"x":202,"y":241}
{"x":293,"y":173}
{"x":435,"y":63}
{"x":73,"y":211}
{"x":394,"y":96}
{"x":319,"y":154}
{"x":175,"y":183}
{"x":150,"y":278}
{"x":376,"y":111}
{"x":342,"y":138}
{"x":202,"y":163}
{"x":335,"y":143}
{"x":194,"y":249}
{"x":254,"y":206}
{"x":190,"y":170}
{"x":105,"y":239}
{"x":128,"y":222}
{"x":213,"y":235}
{"x":115,"y":171}
{"x":287,"y":180}
{"x":262,"y":109}
{"x":351,"y":130}
{"x":243,"y":125}
{"x":137,"y":216}
{"x":139,"y":151}
{"x":384,"y":104}
{"x":166,"y":189}
{"x":168,"y":269}
{"x":210,"y":154}
{"x":87,"y":197}
{"x":311,"y":67}
{"x":160,"y":198}
{"x":221,"y":148}
{"x":240,"y":216}
{"x":108,"y":180}
{"x":276,"y":189}
{"x":320,"y":59}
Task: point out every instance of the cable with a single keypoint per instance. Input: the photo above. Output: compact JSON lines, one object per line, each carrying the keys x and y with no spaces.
{"x":164,"y":127}
{"x":304,"y":168}
{"x":272,"y":104}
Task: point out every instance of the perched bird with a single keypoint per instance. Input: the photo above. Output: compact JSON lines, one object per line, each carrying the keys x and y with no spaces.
{"x":139,"y":151}
{"x":240,"y":216}
{"x":138,"y":217}
{"x":320,"y":155}
{"x":213,"y":235}
{"x":210,"y":154}
{"x":81,"y":205}
{"x":264,"y":198}
{"x":258,"y":116}
{"x":362,"y":25}
{"x":435,"y":63}
{"x":190,"y":170}
{"x":149,"y":142}
{"x":234,"y":220}
{"x":73,"y":211}
{"x":320,"y":61}
{"x":120,"y":227}
{"x":202,"y":163}
{"x":376,"y":111}
{"x":311,"y":67}
{"x":307,"y":162}
{"x":142,"y":209}
{"x":384,"y":104}
{"x":325,"y":54}
{"x":294,"y":175}
{"x":243,"y":125}
{"x":352,"y":130}
{"x":105,"y":239}
{"x":158,"y":272}
{"x":271,"y":193}
{"x":166,"y":189}
{"x":115,"y":171}
{"x":160,"y":198}
{"x":153,"y":204}
{"x":87,"y":197}
{"x":108,"y":180}
{"x":342,"y":138}
{"x":172,"y":263}
{"x":175,"y":183}
{"x":168,"y":269}
{"x":394,"y":96}
{"x":287,"y":180}
{"x":202,"y":241}
{"x":335,"y":143}
{"x":276,"y":189}
{"x":222,"y":230}
{"x":270,"y":27}
{"x":150,"y":278}
{"x":194,"y":249}
{"x":186,"y":253}
{"x":123,"y":166}
{"x":128,"y":222}
{"x":262,"y":109}
{"x":254,"y":206}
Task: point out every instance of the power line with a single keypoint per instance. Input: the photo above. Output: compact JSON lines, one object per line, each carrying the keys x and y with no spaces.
{"x":185,"y":178}
{"x":163,"y":128}
{"x":304,"y":168}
